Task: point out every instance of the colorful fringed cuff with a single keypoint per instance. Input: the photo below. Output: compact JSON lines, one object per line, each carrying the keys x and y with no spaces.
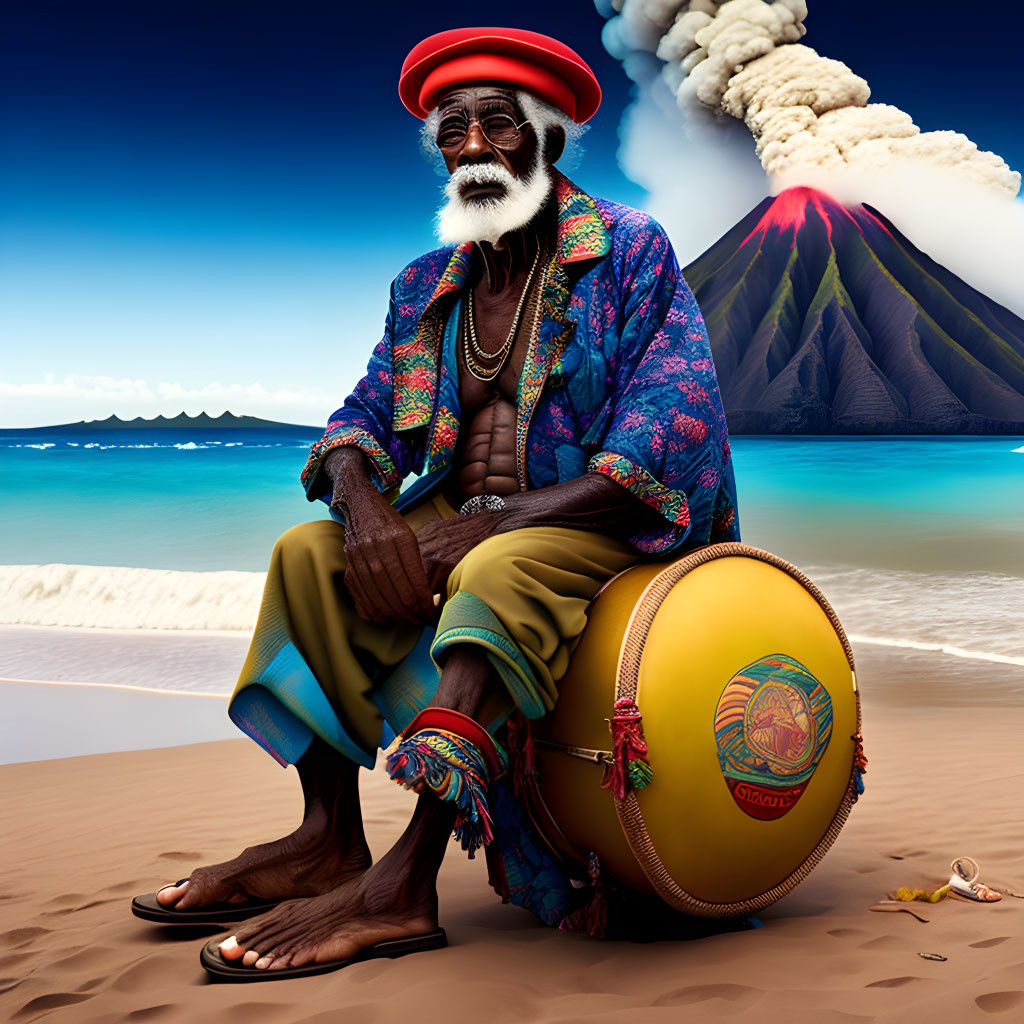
{"x":455,"y":758}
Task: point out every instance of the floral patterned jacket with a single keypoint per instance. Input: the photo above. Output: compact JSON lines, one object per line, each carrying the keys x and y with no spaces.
{"x":618,"y":379}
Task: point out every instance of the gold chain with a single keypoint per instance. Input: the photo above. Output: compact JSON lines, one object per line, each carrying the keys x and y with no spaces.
{"x":471,"y":345}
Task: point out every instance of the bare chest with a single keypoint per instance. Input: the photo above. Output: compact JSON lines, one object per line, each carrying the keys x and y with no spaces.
{"x":495,"y":339}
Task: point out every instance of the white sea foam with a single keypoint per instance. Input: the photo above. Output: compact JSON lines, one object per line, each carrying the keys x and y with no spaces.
{"x":118,"y":597}
{"x":184,"y":446}
{"x":956,"y":652}
{"x":162,"y":690}
{"x":966,"y":615}
{"x":1020,"y":449}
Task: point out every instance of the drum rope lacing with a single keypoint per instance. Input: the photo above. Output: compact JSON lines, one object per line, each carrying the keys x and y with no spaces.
{"x":627,"y":678}
{"x":631,"y":817}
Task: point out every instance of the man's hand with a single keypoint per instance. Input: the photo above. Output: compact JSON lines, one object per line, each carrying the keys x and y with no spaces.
{"x":384,"y":574}
{"x":444,"y":543}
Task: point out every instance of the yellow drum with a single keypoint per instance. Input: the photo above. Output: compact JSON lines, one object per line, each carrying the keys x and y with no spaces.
{"x":734,"y":672}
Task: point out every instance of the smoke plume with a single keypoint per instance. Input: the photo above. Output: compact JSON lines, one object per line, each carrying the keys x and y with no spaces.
{"x":713,"y":75}
{"x":742,"y":57}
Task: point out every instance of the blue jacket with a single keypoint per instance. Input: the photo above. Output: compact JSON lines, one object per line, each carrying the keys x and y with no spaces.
{"x":618,"y":379}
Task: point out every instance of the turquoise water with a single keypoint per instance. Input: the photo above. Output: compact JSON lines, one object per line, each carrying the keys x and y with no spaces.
{"x":930,"y":504}
{"x":918,"y":543}
{"x":924,"y":504}
{"x":217,"y":505}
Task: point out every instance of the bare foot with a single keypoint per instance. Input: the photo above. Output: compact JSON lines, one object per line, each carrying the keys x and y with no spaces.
{"x":312,"y":860}
{"x":376,"y":906}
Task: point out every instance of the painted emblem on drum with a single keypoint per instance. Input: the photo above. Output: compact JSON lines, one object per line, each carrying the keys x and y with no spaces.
{"x":772,"y":725}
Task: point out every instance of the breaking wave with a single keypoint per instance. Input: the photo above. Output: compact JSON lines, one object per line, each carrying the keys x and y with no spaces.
{"x":968,"y":615}
{"x":117,"y":597}
{"x":964,"y":615}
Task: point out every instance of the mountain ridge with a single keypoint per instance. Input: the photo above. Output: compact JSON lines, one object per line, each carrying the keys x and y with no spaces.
{"x":183,"y":421}
{"x":825,"y":319}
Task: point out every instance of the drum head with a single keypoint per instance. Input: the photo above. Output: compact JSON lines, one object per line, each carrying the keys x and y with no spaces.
{"x":745,"y":682}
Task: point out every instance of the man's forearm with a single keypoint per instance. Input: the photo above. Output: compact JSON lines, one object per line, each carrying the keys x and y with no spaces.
{"x":351,"y":476}
{"x":590,"y":502}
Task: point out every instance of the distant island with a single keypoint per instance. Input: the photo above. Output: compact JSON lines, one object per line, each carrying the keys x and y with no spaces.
{"x":227,"y":421}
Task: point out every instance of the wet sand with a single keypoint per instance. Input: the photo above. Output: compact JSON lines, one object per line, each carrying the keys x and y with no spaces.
{"x":81,"y":835}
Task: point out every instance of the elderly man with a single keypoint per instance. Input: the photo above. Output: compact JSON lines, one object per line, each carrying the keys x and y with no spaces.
{"x":547,"y":374}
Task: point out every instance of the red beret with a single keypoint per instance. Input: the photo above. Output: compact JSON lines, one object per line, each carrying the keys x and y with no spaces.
{"x":513,"y":56}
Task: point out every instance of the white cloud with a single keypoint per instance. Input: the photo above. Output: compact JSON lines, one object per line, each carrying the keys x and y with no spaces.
{"x":54,"y":399}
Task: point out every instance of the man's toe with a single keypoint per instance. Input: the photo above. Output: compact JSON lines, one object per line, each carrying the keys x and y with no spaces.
{"x":170,"y":894}
{"x":231,"y":950}
{"x":284,"y":958}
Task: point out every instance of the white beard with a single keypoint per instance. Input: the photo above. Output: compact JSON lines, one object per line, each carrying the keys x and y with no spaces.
{"x":460,"y":220}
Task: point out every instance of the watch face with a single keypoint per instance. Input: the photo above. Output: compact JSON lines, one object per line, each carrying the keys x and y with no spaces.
{"x":491,"y":502}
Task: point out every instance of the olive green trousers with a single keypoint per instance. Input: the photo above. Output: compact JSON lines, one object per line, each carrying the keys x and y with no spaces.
{"x":316,"y":667}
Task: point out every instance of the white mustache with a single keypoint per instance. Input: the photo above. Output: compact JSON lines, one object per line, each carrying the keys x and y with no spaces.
{"x":478,"y":174}
{"x":460,"y":220}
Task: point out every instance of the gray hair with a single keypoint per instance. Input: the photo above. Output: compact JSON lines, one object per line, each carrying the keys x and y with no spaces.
{"x":541,"y":116}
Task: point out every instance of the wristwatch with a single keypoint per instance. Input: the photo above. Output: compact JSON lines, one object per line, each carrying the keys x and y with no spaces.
{"x":490,"y":502}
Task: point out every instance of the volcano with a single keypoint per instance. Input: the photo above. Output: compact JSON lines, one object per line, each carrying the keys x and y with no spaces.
{"x":825,"y":319}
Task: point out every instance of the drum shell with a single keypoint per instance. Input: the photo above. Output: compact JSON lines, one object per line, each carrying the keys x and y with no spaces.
{"x":683,"y":630}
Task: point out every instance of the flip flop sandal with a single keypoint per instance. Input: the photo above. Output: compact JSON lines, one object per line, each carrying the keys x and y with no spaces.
{"x":964,"y":884}
{"x":220,"y":969}
{"x":149,"y":909}
{"x":978,"y":892}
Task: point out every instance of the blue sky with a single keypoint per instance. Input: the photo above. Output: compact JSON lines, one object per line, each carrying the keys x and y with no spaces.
{"x":202,"y":204}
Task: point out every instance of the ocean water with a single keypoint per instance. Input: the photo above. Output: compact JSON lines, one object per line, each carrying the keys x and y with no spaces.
{"x":917,"y":542}
{"x":174,"y":502}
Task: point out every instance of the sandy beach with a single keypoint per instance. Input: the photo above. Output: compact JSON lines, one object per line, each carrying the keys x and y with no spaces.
{"x":84,"y":834}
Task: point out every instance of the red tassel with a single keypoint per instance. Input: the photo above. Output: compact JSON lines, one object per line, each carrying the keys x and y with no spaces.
{"x":592,"y":918}
{"x":628,"y":768}
{"x":519,"y":739}
{"x":860,"y":761}
{"x":595,"y":916}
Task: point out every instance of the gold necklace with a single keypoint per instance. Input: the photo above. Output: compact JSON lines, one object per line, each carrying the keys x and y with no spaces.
{"x":470,"y":343}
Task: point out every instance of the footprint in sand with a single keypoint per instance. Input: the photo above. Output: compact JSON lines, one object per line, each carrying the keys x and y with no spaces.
{"x":18,"y":937}
{"x":151,"y":1012}
{"x":66,"y":899}
{"x":884,"y":942}
{"x":64,"y":911}
{"x":132,"y":885}
{"x":893,"y":982}
{"x":180,"y":855}
{"x":988,"y":943}
{"x":845,"y":933}
{"x":999,"y":1002}
{"x":704,"y":993}
{"x":53,"y":1001}
{"x":85,"y":957}
{"x":142,"y":976}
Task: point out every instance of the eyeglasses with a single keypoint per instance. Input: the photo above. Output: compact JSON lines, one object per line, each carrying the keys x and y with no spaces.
{"x":500,"y":130}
